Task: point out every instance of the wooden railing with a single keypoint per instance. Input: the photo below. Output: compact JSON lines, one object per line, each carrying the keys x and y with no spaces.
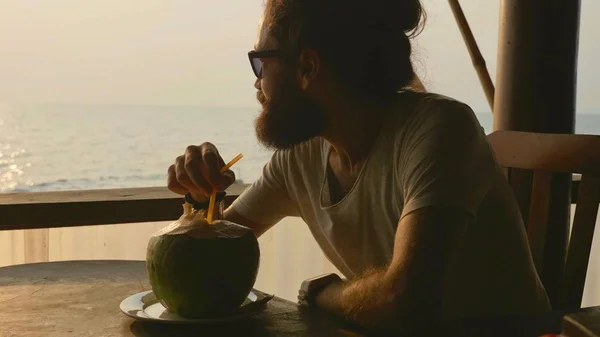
{"x":62,"y":226}
{"x":33,"y":210}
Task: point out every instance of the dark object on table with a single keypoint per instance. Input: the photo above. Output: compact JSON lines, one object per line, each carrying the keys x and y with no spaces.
{"x":583,"y":323}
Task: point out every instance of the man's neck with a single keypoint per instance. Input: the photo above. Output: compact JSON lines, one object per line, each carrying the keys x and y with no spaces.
{"x":352,"y":128}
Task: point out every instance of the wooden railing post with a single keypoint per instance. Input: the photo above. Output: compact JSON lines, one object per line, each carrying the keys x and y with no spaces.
{"x":535,"y":92}
{"x":36,"y":245}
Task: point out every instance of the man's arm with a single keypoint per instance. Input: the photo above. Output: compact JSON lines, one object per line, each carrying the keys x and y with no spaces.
{"x":267,"y":200}
{"x":197,"y":172}
{"x":446,"y":170}
{"x":259,"y":229}
{"x":411,"y":286}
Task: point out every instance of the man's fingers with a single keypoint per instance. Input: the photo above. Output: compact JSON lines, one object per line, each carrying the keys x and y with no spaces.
{"x":173,"y":184}
{"x":184,"y":178}
{"x":181,"y":175}
{"x":198,"y":171}
{"x":212,"y":164}
{"x":228,"y":178}
{"x":302,"y":300}
{"x":194,"y":168}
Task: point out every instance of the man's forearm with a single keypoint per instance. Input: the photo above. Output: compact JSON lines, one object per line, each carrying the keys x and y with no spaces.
{"x":259,"y":229}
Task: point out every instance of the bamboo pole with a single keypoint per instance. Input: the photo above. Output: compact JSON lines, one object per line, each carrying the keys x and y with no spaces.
{"x":474,"y":52}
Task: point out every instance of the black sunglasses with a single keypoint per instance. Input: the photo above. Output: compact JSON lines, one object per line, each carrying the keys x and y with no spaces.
{"x":256,"y":57}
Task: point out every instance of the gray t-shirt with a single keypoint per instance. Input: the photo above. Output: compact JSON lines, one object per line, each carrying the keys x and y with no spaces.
{"x":419,"y":159}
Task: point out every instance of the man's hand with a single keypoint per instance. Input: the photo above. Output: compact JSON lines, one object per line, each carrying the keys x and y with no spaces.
{"x":198,"y":171}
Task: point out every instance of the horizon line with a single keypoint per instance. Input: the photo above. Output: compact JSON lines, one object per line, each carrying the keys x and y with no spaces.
{"x":198,"y":105}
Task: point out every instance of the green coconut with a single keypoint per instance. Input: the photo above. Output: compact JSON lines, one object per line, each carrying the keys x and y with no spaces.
{"x":202,"y":270}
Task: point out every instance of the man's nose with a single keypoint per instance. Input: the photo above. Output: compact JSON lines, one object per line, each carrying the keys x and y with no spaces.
{"x":257,"y":84}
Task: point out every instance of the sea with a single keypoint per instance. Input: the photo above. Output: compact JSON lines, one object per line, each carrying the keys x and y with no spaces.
{"x":57,"y":147}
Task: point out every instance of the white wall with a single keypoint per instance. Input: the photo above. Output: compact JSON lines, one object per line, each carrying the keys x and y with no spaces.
{"x":288,"y":253}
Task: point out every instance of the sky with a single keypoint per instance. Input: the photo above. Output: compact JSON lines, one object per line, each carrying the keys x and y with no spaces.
{"x":194,"y":52}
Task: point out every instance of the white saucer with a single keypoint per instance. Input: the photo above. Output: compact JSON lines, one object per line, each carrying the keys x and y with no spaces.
{"x":144,"y":306}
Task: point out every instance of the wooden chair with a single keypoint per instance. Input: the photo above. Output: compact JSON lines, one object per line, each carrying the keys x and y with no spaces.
{"x":547,"y":156}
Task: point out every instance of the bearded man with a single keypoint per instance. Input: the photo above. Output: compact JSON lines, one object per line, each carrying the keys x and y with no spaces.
{"x":399,"y":187}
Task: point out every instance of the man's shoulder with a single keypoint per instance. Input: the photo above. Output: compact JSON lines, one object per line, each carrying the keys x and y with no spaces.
{"x":436,"y":124}
{"x":432,"y":103}
{"x":434,"y":97}
{"x":429,"y":110}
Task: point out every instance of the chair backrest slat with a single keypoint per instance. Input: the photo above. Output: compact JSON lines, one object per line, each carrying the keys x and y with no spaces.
{"x":538,"y":216}
{"x":546,"y":154}
{"x":565,"y":153}
{"x":580,"y":242}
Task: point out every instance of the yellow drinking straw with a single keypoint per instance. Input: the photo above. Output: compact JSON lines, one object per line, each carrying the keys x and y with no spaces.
{"x":213,"y":195}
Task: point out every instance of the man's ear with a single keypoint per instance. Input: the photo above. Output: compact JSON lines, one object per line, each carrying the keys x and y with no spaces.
{"x":309,"y":65}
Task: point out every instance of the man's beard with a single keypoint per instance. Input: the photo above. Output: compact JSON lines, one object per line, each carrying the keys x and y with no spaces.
{"x":288,"y":118}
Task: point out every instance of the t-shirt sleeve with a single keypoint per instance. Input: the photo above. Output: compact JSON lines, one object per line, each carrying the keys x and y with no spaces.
{"x":267,"y":200}
{"x":445,"y":159}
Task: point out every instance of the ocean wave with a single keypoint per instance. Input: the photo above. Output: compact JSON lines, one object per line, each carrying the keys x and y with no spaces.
{"x":100,"y":182}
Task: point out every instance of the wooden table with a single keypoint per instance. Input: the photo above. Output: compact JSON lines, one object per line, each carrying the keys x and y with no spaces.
{"x":81,"y":298}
